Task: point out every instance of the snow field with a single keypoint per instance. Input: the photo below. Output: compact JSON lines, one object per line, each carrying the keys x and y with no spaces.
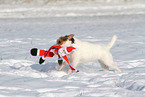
{"x":22,"y":76}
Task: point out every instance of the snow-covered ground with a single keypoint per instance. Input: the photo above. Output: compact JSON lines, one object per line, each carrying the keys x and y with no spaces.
{"x":22,"y":76}
{"x":72,"y":9}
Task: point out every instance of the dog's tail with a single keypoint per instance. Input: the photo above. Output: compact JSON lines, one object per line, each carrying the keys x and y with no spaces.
{"x":109,"y":46}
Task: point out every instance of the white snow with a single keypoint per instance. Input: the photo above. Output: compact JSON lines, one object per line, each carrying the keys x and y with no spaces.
{"x":22,"y":28}
{"x":72,"y":9}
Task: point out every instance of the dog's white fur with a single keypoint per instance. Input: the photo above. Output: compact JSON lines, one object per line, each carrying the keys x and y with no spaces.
{"x":88,"y":52}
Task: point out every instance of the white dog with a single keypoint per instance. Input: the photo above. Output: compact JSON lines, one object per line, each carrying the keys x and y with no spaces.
{"x":88,"y":52}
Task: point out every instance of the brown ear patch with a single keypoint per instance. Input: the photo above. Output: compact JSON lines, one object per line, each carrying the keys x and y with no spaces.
{"x":63,"y":39}
{"x":70,"y":36}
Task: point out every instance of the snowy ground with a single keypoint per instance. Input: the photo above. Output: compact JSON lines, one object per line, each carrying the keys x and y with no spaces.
{"x":21,"y":76}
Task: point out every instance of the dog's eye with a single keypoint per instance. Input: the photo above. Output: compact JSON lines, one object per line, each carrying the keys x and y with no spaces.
{"x":59,"y":42}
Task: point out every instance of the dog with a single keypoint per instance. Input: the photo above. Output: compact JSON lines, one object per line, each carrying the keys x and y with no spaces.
{"x":88,"y":52}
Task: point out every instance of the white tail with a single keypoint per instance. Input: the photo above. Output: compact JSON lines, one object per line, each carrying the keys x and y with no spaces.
{"x":109,"y":46}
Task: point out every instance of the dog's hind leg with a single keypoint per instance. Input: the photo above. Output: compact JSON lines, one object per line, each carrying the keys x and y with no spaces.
{"x":105,"y":68}
{"x":115,"y":67}
{"x":112,"y":65}
{"x":108,"y":61}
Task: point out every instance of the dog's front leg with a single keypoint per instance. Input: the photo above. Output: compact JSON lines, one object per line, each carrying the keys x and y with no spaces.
{"x":74,"y":60}
{"x":74,"y":64}
{"x":62,"y":66}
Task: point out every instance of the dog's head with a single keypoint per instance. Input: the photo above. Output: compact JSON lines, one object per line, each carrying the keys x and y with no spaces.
{"x":66,"y":40}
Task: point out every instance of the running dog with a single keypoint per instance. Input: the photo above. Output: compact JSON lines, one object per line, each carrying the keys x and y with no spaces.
{"x":88,"y":52}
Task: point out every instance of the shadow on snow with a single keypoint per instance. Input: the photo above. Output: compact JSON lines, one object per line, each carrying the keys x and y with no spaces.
{"x":45,"y":67}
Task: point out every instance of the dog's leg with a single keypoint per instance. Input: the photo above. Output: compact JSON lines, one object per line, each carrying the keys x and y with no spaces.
{"x":105,"y":68}
{"x":74,"y":64}
{"x":108,"y":61}
{"x":62,"y":66}
{"x":69,"y":71}
{"x":115,"y":67}
{"x":74,"y":61}
{"x":112,"y":65}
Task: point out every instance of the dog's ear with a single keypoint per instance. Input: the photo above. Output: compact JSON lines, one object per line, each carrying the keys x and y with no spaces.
{"x":70,"y":36}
